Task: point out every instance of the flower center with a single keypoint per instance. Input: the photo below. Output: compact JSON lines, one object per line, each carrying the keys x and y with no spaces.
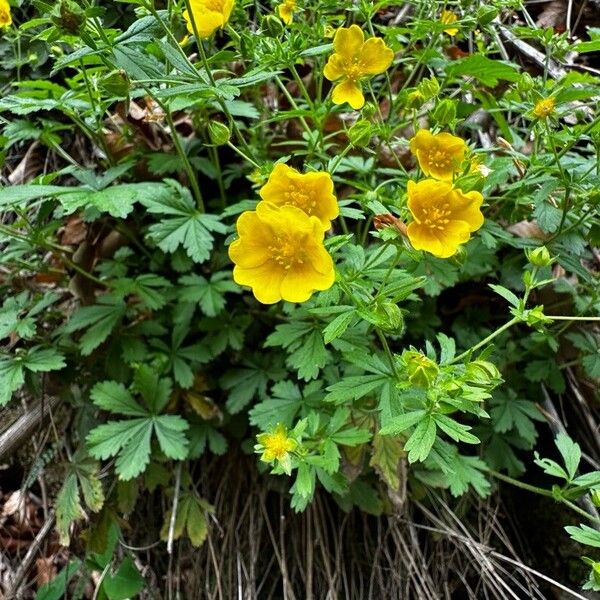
{"x":354,"y":71}
{"x":439,"y":159}
{"x":278,"y":445}
{"x":436,"y":217}
{"x":286,"y":253}
{"x":301,"y":200}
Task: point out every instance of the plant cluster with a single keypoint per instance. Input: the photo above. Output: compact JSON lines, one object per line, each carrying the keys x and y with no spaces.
{"x":283,"y":228}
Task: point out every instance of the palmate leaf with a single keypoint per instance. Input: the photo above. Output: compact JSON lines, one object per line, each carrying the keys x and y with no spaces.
{"x":183,"y":224}
{"x":169,"y":432}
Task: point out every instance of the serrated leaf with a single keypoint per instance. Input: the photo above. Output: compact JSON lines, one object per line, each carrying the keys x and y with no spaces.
{"x":115,"y":397}
{"x":169,"y":431}
{"x":135,"y":454}
{"x":420,"y":442}
{"x":570,"y":452}
{"x":584,"y":535}
{"x":387,"y":456}
{"x":400,"y":423}
{"x":68,"y":508}
{"x":486,"y":70}
{"x":338,"y":326}
{"x":457,"y":431}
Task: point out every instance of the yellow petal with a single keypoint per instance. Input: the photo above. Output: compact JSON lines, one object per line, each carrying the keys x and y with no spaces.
{"x":350,"y":92}
{"x":466,"y":207}
{"x":264,"y":280}
{"x":426,"y":194}
{"x":347,"y":42}
{"x":375,"y":56}
{"x":422,"y":140}
{"x":311,"y":192}
{"x":248,"y":254}
{"x":300,"y":283}
{"x":334,"y":69}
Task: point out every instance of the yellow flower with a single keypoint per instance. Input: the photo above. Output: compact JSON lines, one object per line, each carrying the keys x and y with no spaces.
{"x":280,"y":254}
{"x":544,"y":108}
{"x":276,"y":445}
{"x":439,"y":155}
{"x":286,"y":11}
{"x":444,"y":217}
{"x":311,"y":193}
{"x":5,"y":16}
{"x":447,"y":18}
{"x":352,"y":60}
{"x":208,"y":15}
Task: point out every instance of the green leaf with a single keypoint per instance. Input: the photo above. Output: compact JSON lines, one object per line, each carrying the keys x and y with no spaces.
{"x":386,"y":459}
{"x":468,"y":471}
{"x":486,"y":70}
{"x":570,"y":452}
{"x":351,"y":437}
{"x":169,"y":431}
{"x":99,"y":320}
{"x":107,"y":440}
{"x":506,"y":294}
{"x":397,"y":425}
{"x":118,"y":201}
{"x":547,"y":216}
{"x":209,"y":294}
{"x":126,"y":583}
{"x":135,"y":454}
{"x":43,"y":360}
{"x":310,"y":357}
{"x":354,"y":387}
{"x":182,"y":224}
{"x":283,"y":407}
{"x":420,"y":442}
{"x":114,"y":397}
{"x":457,"y":431}
{"x":11,"y":379}
{"x":196,"y":525}
{"x":57,"y":588}
{"x":68,"y":508}
{"x":584,"y":535}
{"x":338,"y":326}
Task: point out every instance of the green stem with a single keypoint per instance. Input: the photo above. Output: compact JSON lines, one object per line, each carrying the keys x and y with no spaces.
{"x":486,"y":340}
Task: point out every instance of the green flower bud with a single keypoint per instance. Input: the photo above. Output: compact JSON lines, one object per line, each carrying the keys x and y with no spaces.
{"x":360,"y":133}
{"x":429,"y":88}
{"x":369,"y":109}
{"x":116,"y":84}
{"x":482,"y":373}
{"x":68,"y":16}
{"x":273,"y":25}
{"x":384,"y":315}
{"x":540,"y":257}
{"x":422,"y":371}
{"x":486,"y":14}
{"x":445,"y":112}
{"x":415,"y":99}
{"x":525,"y":83}
{"x":218,"y":133}
{"x":595,"y":494}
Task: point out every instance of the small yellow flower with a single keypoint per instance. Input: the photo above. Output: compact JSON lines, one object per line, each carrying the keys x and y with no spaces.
{"x":311,"y":193}
{"x":352,"y":60}
{"x":286,"y":11}
{"x":439,"y":155}
{"x":208,"y":16}
{"x":280,"y":254}
{"x":447,"y":18}
{"x":544,"y":108}
{"x":276,"y":445}
{"x":5,"y":16}
{"x":444,"y":217}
